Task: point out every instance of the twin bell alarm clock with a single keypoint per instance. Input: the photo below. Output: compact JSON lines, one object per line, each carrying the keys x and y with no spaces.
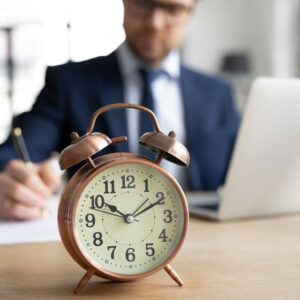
{"x":122,"y":216}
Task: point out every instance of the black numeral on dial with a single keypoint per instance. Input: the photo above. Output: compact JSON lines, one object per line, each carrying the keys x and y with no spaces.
{"x":146,"y":190}
{"x":90,"y":220}
{"x":163,"y":236}
{"x":128,"y":182}
{"x":113,"y":249}
{"x":130,"y":256}
{"x":160,"y":198}
{"x":168,"y":214}
{"x":149,"y":249}
{"x":97,"y":202}
{"x":97,"y":239}
{"x":109,"y":187}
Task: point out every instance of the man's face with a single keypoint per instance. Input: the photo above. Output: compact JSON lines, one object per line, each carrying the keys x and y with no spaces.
{"x":154,"y":27}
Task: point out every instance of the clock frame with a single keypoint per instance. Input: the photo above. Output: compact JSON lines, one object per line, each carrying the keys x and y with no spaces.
{"x":82,"y":149}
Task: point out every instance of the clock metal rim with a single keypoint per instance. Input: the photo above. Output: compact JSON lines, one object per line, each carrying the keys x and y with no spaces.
{"x":81,"y":256}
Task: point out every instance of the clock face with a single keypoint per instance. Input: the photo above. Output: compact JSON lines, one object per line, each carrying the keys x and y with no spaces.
{"x":129,"y":218}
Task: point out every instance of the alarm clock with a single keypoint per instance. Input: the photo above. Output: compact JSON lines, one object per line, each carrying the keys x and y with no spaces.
{"x":122,"y":216}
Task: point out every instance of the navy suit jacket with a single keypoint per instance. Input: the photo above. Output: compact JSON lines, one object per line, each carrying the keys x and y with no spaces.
{"x":73,"y":91}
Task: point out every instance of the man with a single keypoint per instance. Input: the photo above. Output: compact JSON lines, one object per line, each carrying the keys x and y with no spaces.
{"x":199,"y":108}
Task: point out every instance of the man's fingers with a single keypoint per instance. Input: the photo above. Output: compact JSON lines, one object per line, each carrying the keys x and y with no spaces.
{"x":50,"y":174}
{"x":14,"y":210}
{"x":18,"y":192}
{"x":28,"y":176}
{"x":23,"y":193}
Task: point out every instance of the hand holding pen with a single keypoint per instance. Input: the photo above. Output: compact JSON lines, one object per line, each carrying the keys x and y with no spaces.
{"x":24,"y":186}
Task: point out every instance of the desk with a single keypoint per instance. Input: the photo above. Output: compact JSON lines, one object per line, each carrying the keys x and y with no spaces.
{"x":241,"y":260}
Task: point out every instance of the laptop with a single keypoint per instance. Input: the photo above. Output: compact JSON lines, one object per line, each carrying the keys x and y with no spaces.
{"x":264,"y":174}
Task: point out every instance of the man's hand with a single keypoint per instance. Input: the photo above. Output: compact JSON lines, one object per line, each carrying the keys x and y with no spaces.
{"x":25,"y":188}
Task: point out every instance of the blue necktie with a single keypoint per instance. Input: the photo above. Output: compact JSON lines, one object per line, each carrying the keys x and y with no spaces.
{"x":147,"y":100}
{"x":145,"y":123}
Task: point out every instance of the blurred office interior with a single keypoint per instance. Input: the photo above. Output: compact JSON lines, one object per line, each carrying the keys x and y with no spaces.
{"x":236,"y":39}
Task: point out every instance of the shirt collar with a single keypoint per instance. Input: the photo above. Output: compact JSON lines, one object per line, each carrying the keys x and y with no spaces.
{"x":130,"y":63}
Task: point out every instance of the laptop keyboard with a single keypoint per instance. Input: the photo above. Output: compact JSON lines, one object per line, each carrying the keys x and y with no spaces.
{"x":212,"y":207}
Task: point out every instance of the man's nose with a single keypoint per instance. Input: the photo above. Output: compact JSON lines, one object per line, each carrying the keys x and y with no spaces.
{"x":157,"y":19}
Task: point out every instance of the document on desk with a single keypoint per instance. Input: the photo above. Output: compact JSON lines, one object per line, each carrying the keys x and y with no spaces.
{"x":16,"y":232}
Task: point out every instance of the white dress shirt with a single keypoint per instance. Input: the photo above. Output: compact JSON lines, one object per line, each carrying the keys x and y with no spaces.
{"x":167,"y":97}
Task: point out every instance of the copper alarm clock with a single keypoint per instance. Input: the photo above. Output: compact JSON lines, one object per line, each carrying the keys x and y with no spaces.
{"x":122,"y":216}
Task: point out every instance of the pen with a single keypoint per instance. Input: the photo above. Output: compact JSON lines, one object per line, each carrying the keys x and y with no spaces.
{"x":22,"y":151}
{"x":20,"y":145}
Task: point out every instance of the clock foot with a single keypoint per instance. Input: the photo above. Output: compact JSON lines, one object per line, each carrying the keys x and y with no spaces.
{"x":84,"y":280}
{"x":173,"y":275}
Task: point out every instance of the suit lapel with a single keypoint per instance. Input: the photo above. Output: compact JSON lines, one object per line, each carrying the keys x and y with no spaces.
{"x":193,"y":106}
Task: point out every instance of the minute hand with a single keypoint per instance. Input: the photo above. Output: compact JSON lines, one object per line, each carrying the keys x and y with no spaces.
{"x":149,"y":206}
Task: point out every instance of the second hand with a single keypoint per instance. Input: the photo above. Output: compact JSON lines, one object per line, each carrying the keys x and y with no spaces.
{"x":140,"y":207}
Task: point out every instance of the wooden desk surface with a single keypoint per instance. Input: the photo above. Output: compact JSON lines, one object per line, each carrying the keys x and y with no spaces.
{"x":241,"y":260}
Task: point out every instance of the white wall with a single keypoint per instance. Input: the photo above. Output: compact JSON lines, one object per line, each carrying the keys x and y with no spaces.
{"x":257,"y":27}
{"x":41,"y":38}
{"x":285,"y":42}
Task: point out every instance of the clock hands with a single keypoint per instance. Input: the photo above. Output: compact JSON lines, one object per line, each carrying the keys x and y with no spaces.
{"x":140,"y":207}
{"x":127,"y":218}
{"x":106,"y":212}
{"x":149,"y":206}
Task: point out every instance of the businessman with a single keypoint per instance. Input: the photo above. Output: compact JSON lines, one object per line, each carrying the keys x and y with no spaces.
{"x":147,"y":66}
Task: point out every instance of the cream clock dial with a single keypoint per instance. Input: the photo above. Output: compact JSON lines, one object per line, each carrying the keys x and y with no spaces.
{"x":129,"y":218}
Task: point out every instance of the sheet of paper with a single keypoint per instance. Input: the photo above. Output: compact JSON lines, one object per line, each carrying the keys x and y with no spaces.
{"x":15,"y":232}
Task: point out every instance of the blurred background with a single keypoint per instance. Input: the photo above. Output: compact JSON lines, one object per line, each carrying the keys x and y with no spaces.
{"x":236,"y":39}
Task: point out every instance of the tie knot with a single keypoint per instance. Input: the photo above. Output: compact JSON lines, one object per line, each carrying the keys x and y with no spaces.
{"x":148,"y":76}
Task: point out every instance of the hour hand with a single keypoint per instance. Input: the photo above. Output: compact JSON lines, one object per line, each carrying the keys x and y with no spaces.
{"x":127,"y":218}
{"x":113,"y":208}
{"x":106,"y":212}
